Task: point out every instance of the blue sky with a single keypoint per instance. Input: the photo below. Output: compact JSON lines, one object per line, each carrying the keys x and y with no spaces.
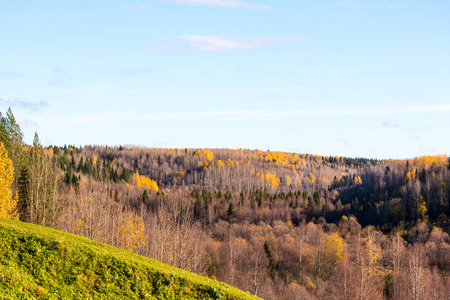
{"x":367,"y":78}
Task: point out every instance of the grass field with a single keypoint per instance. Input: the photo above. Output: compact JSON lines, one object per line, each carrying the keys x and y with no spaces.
{"x":42,"y":263}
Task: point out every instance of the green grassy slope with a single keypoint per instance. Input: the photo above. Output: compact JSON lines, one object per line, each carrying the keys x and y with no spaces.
{"x":42,"y":263}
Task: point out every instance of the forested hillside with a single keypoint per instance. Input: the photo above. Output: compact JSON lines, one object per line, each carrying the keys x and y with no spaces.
{"x":279,"y":225}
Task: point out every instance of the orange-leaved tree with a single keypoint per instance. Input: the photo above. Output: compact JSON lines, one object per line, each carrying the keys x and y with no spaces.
{"x":7,"y":200}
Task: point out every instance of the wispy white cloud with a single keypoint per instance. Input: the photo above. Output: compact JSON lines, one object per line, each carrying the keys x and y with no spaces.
{"x":121,"y":72}
{"x":9,"y":75}
{"x":425,"y":108}
{"x":390,"y":123}
{"x":426,"y":150}
{"x":232,"y":115}
{"x":277,"y":89}
{"x":19,"y":103}
{"x":86,"y":120}
{"x":220,"y":43}
{"x":341,"y":140}
{"x":221,"y":3}
{"x":134,"y":72}
{"x":28,"y":123}
{"x":419,"y":128}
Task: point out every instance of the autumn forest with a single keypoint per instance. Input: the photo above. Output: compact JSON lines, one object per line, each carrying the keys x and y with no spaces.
{"x":278,"y":225}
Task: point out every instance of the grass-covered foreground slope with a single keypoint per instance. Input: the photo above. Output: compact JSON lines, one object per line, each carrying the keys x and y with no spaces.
{"x":42,"y":263}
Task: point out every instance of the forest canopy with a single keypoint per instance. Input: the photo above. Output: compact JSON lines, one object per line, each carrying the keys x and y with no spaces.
{"x":279,"y":225}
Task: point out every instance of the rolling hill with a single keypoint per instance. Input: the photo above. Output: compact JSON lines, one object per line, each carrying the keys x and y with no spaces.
{"x":37,"y":262}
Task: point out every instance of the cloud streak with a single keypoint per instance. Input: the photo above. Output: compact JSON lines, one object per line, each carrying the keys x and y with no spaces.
{"x":18,"y":103}
{"x":263,"y":115}
{"x":277,"y":89}
{"x":233,"y":115}
{"x":135,"y":72}
{"x":219,"y":43}
{"x":220,"y":3}
{"x":27,"y":123}
{"x":9,"y":75}
{"x":391,"y":124}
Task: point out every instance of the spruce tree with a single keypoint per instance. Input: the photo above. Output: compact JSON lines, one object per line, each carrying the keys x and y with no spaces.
{"x":230,"y":210}
{"x":24,"y":197}
{"x":270,"y":267}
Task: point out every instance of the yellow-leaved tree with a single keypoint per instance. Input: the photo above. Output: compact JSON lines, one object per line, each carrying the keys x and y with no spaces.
{"x":423,"y":210}
{"x":132,"y":232}
{"x":334,"y":252}
{"x":204,"y":154}
{"x":144,"y":181}
{"x":272,"y":180}
{"x":7,"y":200}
